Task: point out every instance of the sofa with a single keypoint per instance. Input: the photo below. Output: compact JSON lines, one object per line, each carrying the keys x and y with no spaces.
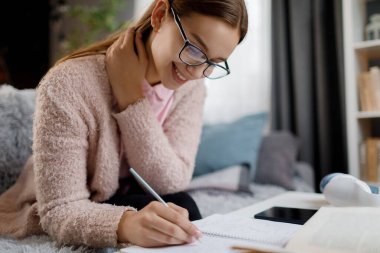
{"x":264,"y":167}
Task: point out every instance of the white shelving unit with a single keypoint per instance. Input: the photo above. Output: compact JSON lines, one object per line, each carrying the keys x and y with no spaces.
{"x":357,"y":54}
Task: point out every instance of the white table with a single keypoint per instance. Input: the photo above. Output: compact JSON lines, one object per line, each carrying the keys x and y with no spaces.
{"x":288,"y":199}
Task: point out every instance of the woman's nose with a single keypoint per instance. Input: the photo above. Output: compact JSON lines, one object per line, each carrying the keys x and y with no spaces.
{"x":196,"y":71}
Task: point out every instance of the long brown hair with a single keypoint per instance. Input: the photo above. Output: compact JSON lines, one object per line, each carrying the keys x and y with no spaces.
{"x":233,"y":12}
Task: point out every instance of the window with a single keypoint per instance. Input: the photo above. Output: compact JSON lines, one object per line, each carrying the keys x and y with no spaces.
{"x":247,"y":89}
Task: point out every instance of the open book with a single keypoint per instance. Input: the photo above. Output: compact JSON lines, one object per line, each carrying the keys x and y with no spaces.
{"x":338,"y":230}
{"x":221,"y":232}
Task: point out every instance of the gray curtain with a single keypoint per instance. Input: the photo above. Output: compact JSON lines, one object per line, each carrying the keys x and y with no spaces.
{"x":308,"y":80}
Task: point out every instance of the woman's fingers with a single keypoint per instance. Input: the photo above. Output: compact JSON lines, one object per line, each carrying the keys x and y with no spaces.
{"x":128,"y":41}
{"x":171,"y":233}
{"x":128,"y":38}
{"x":175,"y":217}
{"x":140,"y":47}
{"x":157,"y":225}
{"x":157,"y":238}
{"x":179,"y":209}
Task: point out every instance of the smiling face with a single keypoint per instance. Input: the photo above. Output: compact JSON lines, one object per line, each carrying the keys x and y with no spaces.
{"x":216,"y":38}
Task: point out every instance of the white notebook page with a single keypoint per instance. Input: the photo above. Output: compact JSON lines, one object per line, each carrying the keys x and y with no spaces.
{"x":255,"y":230}
{"x":207,"y":245}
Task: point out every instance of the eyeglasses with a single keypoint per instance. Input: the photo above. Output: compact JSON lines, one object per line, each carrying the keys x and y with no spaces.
{"x":193,"y":56}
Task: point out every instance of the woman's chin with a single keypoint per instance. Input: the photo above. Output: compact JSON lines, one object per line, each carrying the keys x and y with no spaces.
{"x":172,"y":81}
{"x":176,"y":79}
{"x":171,"y":84}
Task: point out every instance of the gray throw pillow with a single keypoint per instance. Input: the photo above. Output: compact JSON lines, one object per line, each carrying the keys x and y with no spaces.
{"x":277,"y":159}
{"x":16,"y":124}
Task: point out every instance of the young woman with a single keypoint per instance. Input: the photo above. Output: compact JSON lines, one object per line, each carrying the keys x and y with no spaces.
{"x":133,"y":100}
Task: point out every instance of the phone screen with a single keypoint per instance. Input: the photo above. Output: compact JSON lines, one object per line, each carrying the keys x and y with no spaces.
{"x":286,"y":214}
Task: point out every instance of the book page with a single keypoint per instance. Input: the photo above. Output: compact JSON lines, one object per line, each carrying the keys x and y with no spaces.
{"x":338,"y":230}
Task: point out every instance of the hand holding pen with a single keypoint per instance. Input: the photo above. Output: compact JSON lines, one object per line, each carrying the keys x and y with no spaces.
{"x":157,"y":224}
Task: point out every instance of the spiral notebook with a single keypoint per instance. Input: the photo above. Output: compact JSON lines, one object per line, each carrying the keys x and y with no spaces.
{"x":248,"y":229}
{"x":220,"y":232}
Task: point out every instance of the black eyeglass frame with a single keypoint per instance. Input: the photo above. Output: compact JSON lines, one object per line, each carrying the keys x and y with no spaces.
{"x":188,"y":43}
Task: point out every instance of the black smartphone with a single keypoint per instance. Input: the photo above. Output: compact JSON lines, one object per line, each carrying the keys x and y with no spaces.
{"x":286,"y":214}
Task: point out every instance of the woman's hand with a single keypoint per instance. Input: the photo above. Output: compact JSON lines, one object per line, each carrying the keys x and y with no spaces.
{"x":157,"y":225}
{"x":126,"y":69}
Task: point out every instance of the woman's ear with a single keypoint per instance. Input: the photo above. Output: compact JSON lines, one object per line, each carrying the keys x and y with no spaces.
{"x":159,"y":13}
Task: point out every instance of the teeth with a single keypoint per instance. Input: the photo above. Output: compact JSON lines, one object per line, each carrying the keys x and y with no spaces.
{"x":179,"y":75}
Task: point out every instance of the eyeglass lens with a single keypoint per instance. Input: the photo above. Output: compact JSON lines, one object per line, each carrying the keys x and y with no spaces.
{"x":194,"y":57}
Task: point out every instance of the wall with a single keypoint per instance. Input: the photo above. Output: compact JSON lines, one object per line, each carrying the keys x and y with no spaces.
{"x":66,"y":23}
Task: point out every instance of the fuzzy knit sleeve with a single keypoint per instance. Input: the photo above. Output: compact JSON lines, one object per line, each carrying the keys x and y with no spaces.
{"x":60,"y":150}
{"x":164,"y":156}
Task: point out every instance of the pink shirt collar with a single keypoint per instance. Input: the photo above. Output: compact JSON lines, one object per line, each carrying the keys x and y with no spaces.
{"x":160,"y":98}
{"x":158,"y":90}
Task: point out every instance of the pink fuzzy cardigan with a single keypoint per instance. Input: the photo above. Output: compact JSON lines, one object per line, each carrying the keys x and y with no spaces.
{"x":75,"y":163}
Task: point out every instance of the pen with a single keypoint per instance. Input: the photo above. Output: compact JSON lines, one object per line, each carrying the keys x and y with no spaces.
{"x":146,"y":186}
{"x":248,"y":250}
{"x":253,"y":250}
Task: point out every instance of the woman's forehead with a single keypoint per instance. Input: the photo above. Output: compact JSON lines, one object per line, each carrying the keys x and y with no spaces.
{"x":212,"y":34}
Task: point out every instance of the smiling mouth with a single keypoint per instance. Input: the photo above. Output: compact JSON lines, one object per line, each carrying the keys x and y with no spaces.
{"x":178,"y":74}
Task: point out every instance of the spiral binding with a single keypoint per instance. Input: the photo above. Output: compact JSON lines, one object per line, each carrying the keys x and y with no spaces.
{"x":240,"y":237}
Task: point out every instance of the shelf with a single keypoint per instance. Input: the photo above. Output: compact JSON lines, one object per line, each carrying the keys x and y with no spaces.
{"x":368,"y":115}
{"x":359,"y":56}
{"x":371,"y":48}
{"x":367,"y":44}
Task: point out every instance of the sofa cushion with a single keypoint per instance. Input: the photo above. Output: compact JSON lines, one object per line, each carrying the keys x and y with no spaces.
{"x":277,"y":160}
{"x":16,"y":114}
{"x":228,"y":144}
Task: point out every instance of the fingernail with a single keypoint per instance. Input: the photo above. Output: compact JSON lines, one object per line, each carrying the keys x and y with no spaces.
{"x":198,"y":233}
{"x":191,"y":239}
